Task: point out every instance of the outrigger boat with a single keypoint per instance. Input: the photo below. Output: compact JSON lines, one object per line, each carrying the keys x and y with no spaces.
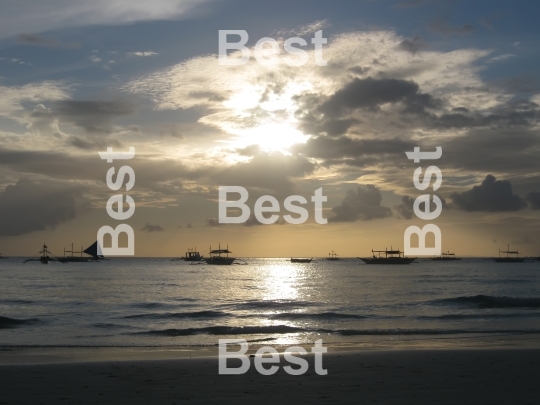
{"x":390,"y":257}
{"x":217,"y":259}
{"x":332,"y":256}
{"x":301,"y":260}
{"x":508,"y":258}
{"x":446,"y":256}
{"x":45,"y":256}
{"x":92,"y":253}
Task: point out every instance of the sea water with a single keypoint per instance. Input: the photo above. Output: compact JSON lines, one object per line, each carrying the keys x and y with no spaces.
{"x":159,"y":302}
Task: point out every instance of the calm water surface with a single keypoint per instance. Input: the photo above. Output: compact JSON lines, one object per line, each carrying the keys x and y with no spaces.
{"x":157,"y":302}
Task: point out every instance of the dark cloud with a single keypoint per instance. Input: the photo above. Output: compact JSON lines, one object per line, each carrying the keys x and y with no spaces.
{"x":363,"y":204}
{"x":92,"y":116}
{"x":36,"y":40}
{"x":413,"y":45}
{"x":151,"y":228}
{"x":491,"y":196}
{"x":446,"y":29}
{"x":533,"y":198}
{"x":405,"y":209}
{"x":494,"y":150}
{"x":346,"y":150}
{"x":30,"y":206}
{"x":371,"y":93}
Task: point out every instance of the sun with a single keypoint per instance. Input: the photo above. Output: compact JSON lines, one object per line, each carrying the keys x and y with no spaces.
{"x":270,"y":137}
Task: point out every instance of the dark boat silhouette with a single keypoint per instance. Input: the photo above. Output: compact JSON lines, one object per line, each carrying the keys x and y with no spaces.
{"x":508,"y":258}
{"x":191,"y":256}
{"x":45,"y":257}
{"x":332,"y":256}
{"x":297,"y":260}
{"x":446,"y":256}
{"x":217,"y":259}
{"x":92,"y":253}
{"x":390,"y":257}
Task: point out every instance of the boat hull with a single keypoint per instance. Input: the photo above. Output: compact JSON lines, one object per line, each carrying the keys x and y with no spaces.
{"x":509,"y":259}
{"x":387,"y":260}
{"x":220,"y":261}
{"x":76,"y":259}
{"x":301,"y":260}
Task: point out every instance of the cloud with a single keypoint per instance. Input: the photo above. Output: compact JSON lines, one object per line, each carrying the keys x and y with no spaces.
{"x":372,"y":93}
{"x":413,"y":45}
{"x":151,"y":228}
{"x":92,"y":115}
{"x":142,"y":54}
{"x":491,"y":196}
{"x":29,"y":206}
{"x":364,"y":204}
{"x":45,"y":15}
{"x":533,"y":198}
{"x":445,"y":29}
{"x":405,"y":209}
{"x":37,"y":40}
{"x":13,"y":97}
{"x":94,"y":58}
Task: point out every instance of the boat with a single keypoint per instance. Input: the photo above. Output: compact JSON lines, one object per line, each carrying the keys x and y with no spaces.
{"x":191,"y":256}
{"x":91,"y":252}
{"x":446,"y":256}
{"x":390,"y":257}
{"x":45,"y":256}
{"x":508,"y":258}
{"x":2,"y":257}
{"x":332,"y":256}
{"x":217,"y":259}
{"x":297,"y":260}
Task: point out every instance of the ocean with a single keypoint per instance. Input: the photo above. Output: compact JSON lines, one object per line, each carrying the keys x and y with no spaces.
{"x":159,"y":302}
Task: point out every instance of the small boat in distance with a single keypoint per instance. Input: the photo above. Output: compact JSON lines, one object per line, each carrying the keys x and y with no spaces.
{"x":390,"y":257}
{"x":297,"y":260}
{"x":217,"y":259}
{"x":191,"y":256}
{"x":91,"y":252}
{"x":508,"y":258}
{"x":446,"y":256}
{"x":332,"y":256}
{"x":2,"y":257}
{"x":45,"y":256}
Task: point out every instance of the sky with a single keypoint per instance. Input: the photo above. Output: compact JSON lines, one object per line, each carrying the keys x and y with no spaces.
{"x":77,"y":77}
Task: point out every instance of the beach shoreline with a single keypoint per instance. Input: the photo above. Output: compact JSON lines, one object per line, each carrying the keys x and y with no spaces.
{"x":465,"y":376}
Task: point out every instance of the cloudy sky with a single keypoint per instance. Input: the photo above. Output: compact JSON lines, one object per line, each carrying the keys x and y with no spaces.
{"x":77,"y":77}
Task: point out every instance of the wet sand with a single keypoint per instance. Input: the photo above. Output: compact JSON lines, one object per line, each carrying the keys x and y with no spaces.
{"x":473,"y":376}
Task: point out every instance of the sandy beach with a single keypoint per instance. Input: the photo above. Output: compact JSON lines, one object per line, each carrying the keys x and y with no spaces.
{"x":385,"y":377}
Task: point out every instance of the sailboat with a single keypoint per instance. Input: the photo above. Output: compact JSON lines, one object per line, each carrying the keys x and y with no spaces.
{"x":92,"y":253}
{"x":508,"y":258}
{"x":45,"y":256}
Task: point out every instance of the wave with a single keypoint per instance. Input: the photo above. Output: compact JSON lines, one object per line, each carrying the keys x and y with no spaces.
{"x":489,"y":301}
{"x":271,"y":304}
{"x":7,"y":323}
{"x":407,"y":332}
{"x":481,"y":316}
{"x":319,"y":316}
{"x":180,"y":315}
{"x":17,"y":302}
{"x":284,"y":329}
{"x":228,"y":330}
